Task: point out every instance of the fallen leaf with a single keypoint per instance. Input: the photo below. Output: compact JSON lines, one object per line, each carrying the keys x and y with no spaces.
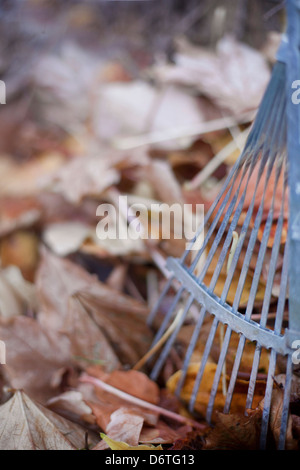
{"x":192,"y":441}
{"x":127,"y":109}
{"x":234,"y":432}
{"x":162,"y":179}
{"x":97,"y":319}
{"x":276,"y":408}
{"x":64,"y":238}
{"x":124,"y":425}
{"x":17,"y":213}
{"x":114,"y":445}
{"x":26,"y":425}
{"x":132,"y":382}
{"x":17,"y":295}
{"x":84,"y":176}
{"x":227,"y":75}
{"x":71,"y":402}
{"x":162,"y":434}
{"x":117,"y":316}
{"x":88,"y":343}
{"x":33,"y":356}
{"x":28,"y":179}
{"x":203,"y":395}
{"x":59,"y":279}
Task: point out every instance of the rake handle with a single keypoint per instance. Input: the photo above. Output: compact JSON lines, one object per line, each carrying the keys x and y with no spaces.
{"x":293,"y":148}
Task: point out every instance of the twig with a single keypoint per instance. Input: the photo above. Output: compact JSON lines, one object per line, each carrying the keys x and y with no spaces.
{"x":159,"y":343}
{"x":235,"y":239}
{"x":126,"y":143}
{"x":138,"y":402}
{"x":217,"y":160}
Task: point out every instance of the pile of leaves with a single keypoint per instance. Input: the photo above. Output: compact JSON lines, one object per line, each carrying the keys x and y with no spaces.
{"x":74,"y":307}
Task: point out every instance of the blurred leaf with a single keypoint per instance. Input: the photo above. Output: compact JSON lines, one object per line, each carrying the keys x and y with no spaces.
{"x":16,"y":294}
{"x":34,"y":356}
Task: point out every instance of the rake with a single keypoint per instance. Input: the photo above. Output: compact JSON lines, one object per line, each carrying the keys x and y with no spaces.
{"x":251,"y":231}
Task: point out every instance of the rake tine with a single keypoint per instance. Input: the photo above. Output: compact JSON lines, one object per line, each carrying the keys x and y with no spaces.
{"x":267,"y":400}
{"x":285,"y":406}
{"x":203,"y":364}
{"x":169,"y":344}
{"x":157,"y":304}
{"x":218,"y":373}
{"x":190,"y":350}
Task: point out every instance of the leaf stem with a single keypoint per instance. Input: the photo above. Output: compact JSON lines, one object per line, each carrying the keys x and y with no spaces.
{"x":138,"y":402}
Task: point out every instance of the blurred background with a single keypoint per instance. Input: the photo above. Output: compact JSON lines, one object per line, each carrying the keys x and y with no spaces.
{"x":149,"y":99}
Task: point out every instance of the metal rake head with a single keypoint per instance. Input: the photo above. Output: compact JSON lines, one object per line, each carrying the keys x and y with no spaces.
{"x":241,"y":286}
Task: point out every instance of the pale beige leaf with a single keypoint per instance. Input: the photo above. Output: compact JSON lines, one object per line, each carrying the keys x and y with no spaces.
{"x":71,"y":403}
{"x":84,"y":176}
{"x":16,"y":294}
{"x":64,"y":238}
{"x":25,"y":425}
{"x":124,"y":426}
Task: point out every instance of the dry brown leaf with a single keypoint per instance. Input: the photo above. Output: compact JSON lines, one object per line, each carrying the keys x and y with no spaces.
{"x":97,"y":319}
{"x":26,"y":425}
{"x":33,"y":356}
{"x":276,"y":411}
{"x":194,"y":440}
{"x":102,"y":411}
{"x":17,"y":213}
{"x":275,"y":419}
{"x":117,"y":316}
{"x":235,"y":432}
{"x":296,"y":427}
{"x":59,"y":279}
{"x":132,"y":382}
{"x":162,"y":434}
{"x":87,"y":341}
